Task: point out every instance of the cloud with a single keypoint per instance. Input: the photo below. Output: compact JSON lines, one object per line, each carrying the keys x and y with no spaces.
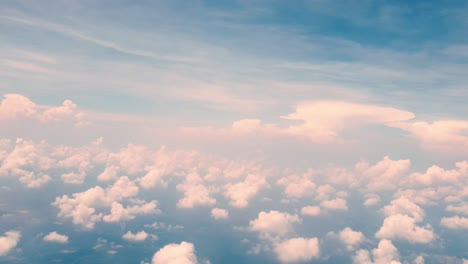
{"x":274,"y":223}
{"x":297,"y":185}
{"x":240,"y":193}
{"x":455,"y":222}
{"x":135,"y":237}
{"x":437,"y":175}
{"x":351,"y":238}
{"x":218,"y":213}
{"x":385,"y":253}
{"x":28,"y":161}
{"x":385,"y":175}
{"x":9,"y":241}
{"x":81,"y":207}
{"x":56,"y":237}
{"x":15,"y":106}
{"x":419,"y":260}
{"x":195,"y":193}
{"x":183,"y":253}
{"x":297,"y":250}
{"x":403,"y":205}
{"x":442,"y":135}
{"x":320,"y":122}
{"x":310,"y":210}
{"x":335,"y":204}
{"x":323,"y":120}
{"x":400,"y":226}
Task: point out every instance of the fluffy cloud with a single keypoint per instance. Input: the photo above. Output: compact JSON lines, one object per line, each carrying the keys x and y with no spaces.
{"x":218,"y":213}
{"x":240,"y":193}
{"x":320,"y":121}
{"x":56,"y":237}
{"x":455,"y":222}
{"x":297,"y":250}
{"x":28,"y":161}
{"x":135,"y":237}
{"x":274,"y":223}
{"x":183,"y":253}
{"x":403,"y":205}
{"x":385,"y":175}
{"x":81,"y":207}
{"x":195,"y":193}
{"x":15,"y":106}
{"x":9,"y":241}
{"x":445,"y":135}
{"x":351,"y":238}
{"x":400,"y":226}
{"x":439,"y":176}
{"x":385,"y":253}
{"x":335,"y":204}
{"x":310,"y":210}
{"x":297,"y":185}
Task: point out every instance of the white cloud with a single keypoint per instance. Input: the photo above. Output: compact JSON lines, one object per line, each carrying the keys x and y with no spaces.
{"x":183,"y":253}
{"x":403,"y":205}
{"x":297,"y":250}
{"x":323,"y":120}
{"x":385,"y":253}
{"x":9,"y":241}
{"x":371,"y":199}
{"x":81,"y":207}
{"x":135,"y":237}
{"x":274,"y":223}
{"x":310,"y":210}
{"x":335,"y":204}
{"x":297,"y":185}
{"x":442,"y":135}
{"x":385,"y":175}
{"x":419,"y":260}
{"x":195,"y":193}
{"x":218,"y":213}
{"x":455,"y":222}
{"x":400,"y":226}
{"x":240,"y":193}
{"x":56,"y":237}
{"x":15,"y":106}
{"x":351,"y":238}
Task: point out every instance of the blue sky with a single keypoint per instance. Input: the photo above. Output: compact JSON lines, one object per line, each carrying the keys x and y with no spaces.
{"x":237,"y":131}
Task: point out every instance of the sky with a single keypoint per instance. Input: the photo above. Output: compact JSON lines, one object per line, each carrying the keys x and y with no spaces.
{"x":196,"y":132}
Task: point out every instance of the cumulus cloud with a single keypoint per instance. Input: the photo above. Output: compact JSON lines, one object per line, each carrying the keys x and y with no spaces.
{"x":240,"y":193}
{"x":183,"y":253}
{"x":274,"y":223}
{"x":28,"y":161}
{"x":310,"y":210}
{"x":403,"y":205}
{"x":56,"y":237}
{"x":297,"y":250}
{"x":9,"y":241}
{"x":218,"y":213}
{"x":81,"y":207}
{"x":444,"y":135}
{"x":385,"y":175}
{"x":195,"y":192}
{"x":385,"y":253}
{"x":335,"y":204}
{"x":320,"y":121}
{"x":135,"y":237}
{"x":455,"y":222}
{"x":351,"y":238}
{"x":15,"y":106}
{"x":297,"y":185}
{"x":400,"y":226}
